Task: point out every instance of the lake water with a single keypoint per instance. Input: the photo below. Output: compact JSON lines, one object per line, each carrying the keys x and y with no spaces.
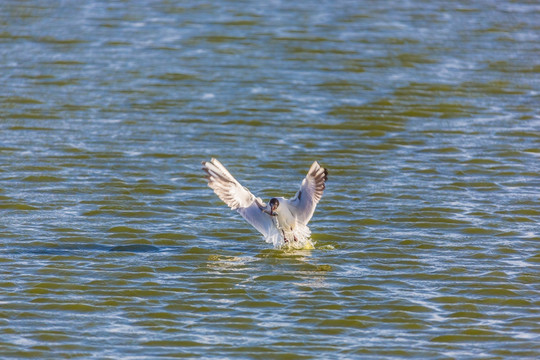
{"x":427,"y":237}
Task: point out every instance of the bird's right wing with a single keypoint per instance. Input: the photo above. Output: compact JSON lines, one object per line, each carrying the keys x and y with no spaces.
{"x":239,"y":198}
{"x":226,"y":187}
{"x":262,"y":222}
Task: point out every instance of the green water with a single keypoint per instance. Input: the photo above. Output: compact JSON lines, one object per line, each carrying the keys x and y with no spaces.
{"x":427,"y":236}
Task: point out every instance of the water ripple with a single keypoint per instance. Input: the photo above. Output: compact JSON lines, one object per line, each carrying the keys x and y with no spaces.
{"x":426,"y":238}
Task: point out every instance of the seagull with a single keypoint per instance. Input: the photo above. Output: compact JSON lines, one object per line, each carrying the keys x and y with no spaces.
{"x":282,"y":222}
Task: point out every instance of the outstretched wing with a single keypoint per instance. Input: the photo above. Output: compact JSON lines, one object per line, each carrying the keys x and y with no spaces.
{"x":226,"y":187}
{"x":311,"y":191}
{"x":237,"y":197}
{"x":262,"y":222}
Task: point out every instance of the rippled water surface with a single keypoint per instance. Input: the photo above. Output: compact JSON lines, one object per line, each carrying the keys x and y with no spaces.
{"x":427,"y":237}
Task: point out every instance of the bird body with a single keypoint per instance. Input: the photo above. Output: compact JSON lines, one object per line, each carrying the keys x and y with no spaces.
{"x":282,"y":222}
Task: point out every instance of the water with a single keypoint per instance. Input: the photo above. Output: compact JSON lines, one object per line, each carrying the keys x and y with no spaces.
{"x":427,"y":237}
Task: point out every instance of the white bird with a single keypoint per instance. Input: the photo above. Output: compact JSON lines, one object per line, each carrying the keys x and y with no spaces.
{"x":283,"y":222}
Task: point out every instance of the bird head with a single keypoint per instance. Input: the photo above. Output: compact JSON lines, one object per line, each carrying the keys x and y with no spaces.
{"x":274,"y":204}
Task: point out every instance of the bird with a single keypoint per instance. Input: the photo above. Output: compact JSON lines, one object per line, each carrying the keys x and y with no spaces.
{"x":282,"y":222}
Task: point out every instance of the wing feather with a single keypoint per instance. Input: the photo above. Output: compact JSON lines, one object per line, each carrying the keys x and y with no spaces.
{"x":261,"y":221}
{"x":226,"y":187}
{"x":311,"y":191}
{"x":239,"y":198}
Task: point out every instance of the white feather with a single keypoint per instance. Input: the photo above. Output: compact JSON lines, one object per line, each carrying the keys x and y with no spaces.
{"x":311,"y":190}
{"x":290,"y":225}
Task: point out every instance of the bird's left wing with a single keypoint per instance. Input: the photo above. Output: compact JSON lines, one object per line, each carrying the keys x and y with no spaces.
{"x":311,"y":191}
{"x":238,"y":198}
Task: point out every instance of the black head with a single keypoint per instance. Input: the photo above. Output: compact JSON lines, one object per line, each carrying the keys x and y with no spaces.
{"x":274,"y":204}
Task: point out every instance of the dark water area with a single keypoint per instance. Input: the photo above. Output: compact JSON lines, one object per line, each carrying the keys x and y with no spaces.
{"x":427,"y":236}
